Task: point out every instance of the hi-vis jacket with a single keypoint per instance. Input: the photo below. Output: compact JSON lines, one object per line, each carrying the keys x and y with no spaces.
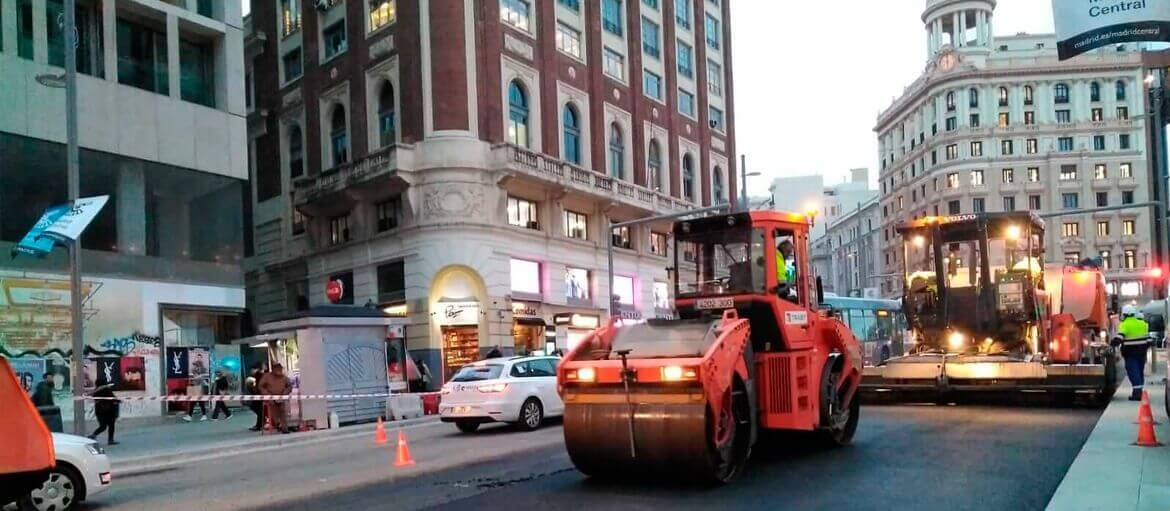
{"x":1133,"y":335}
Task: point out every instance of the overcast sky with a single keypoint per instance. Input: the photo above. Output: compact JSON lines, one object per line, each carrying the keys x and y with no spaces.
{"x":810,"y":79}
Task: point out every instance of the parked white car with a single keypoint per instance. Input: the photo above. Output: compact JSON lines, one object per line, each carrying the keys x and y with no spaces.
{"x":82,"y":471}
{"x":516,"y":390}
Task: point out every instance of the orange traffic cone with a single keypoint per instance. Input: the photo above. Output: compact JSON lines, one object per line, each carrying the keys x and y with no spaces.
{"x":404,"y":458}
{"x":380,"y":433}
{"x":1144,"y":410}
{"x":1146,"y":437}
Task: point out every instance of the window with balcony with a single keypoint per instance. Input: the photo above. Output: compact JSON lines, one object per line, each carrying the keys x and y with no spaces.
{"x":1006,"y":147}
{"x":387,"y":133}
{"x":339,"y":229}
{"x":714,"y":36}
{"x":1070,"y":229}
{"x":1064,"y":144}
{"x":523,"y":213}
{"x":1125,"y":170}
{"x":334,"y":40}
{"x":621,"y":237}
{"x":382,"y":13}
{"x":952,"y":123}
{"x":1009,"y":175}
{"x":617,"y":152}
{"x":516,"y":14}
{"x":611,"y":16}
{"x":978,"y":205}
{"x":650,"y":38}
{"x":1070,"y":200}
{"x":1003,"y":96}
{"x":1098,"y":142}
{"x":1031,"y":146}
{"x":1072,"y":257}
{"x":952,"y":151}
{"x":954,"y":208}
{"x":714,"y":78}
{"x":389,"y":213}
{"x":1100,"y":171}
{"x":1123,"y":141}
{"x":1128,"y":227}
{"x":142,"y":57}
{"x":613,"y":63}
{"x":688,"y":178}
{"x":658,"y":243}
{"x":950,"y":101}
{"x":1123,"y":113}
{"x":686,"y":60}
{"x":297,"y":223}
{"x":974,"y":123}
{"x":1034,"y":202}
{"x":952,"y":180}
{"x":682,"y":13}
{"x":517,"y":114}
{"x":1097,"y":114}
{"x":296,"y":152}
{"x":717,"y":192}
{"x":290,"y":16}
{"x":716,"y":117}
{"x":1068,"y":172}
{"x":973,"y":97}
{"x":1094,"y":92}
{"x":569,"y":40}
{"x":1009,"y":203}
{"x":1102,"y":199}
{"x":293,"y":65}
{"x":571,"y":136}
{"x":976,"y":178}
{"x":1102,"y":228}
{"x":1106,"y":256}
{"x":1029,"y":118}
{"x":339,"y":136}
{"x":1060,"y":93}
{"x":1029,"y":95}
{"x":1127,"y":197}
{"x":1130,"y":259}
{"x":1063,"y":116}
{"x":1120,"y":90}
{"x":686,"y":103}
{"x":976,"y":149}
{"x":576,"y":225}
{"x":652,"y":84}
{"x":1005,"y":119}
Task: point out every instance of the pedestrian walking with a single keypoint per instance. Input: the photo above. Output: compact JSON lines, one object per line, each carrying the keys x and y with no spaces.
{"x":201,"y":385}
{"x":106,"y":411}
{"x":43,"y":395}
{"x":276,"y":383}
{"x":1133,"y":336}
{"x":221,"y":387}
{"x":252,"y":388}
{"x":424,"y":374}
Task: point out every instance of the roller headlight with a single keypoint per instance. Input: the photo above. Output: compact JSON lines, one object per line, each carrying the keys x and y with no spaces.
{"x":956,"y":340}
{"x":679,"y":373}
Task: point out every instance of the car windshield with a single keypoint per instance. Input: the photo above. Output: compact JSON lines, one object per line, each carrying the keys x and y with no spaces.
{"x":478,"y":372}
{"x":723,"y":262}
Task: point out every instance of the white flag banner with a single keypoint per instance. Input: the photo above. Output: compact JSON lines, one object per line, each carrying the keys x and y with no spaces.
{"x":1083,"y":25}
{"x":69,"y":226}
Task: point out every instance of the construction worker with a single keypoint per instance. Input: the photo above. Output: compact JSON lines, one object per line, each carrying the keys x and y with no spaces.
{"x":786,"y":269}
{"x":1133,"y":335}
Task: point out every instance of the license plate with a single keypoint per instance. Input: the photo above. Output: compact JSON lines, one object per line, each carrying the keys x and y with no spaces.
{"x":715,"y":303}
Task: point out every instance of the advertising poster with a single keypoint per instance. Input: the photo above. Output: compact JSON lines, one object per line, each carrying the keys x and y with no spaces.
{"x":28,"y":371}
{"x":132,"y":374}
{"x":1083,"y":25}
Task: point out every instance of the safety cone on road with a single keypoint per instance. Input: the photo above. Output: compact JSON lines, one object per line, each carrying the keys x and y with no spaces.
{"x":1144,"y":411}
{"x":380,"y":433}
{"x":1146,"y":437}
{"x":403,"y":459}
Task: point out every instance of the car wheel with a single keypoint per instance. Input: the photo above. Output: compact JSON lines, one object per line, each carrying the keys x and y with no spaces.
{"x":467,"y":426}
{"x":61,"y":492}
{"x":531,"y":414}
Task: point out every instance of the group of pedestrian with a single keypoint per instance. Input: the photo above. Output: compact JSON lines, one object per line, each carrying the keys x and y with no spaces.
{"x":218,"y":387}
{"x":259,"y":382}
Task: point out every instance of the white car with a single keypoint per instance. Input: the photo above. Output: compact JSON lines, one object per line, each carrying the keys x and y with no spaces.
{"x":515,"y":390}
{"x":82,"y":471}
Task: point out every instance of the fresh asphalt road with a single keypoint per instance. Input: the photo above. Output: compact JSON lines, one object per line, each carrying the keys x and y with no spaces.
{"x":903,"y":457}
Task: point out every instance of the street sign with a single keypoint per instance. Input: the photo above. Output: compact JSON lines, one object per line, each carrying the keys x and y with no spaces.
{"x":61,"y":223}
{"x":335,"y":290}
{"x":1082,"y":25}
{"x":33,"y":243}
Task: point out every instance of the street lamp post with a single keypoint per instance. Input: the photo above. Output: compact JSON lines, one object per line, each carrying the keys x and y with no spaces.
{"x":71,"y":154}
{"x":744,"y":174}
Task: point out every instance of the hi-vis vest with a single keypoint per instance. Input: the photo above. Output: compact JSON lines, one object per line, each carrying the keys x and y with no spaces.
{"x":784,"y":272}
{"x":1134,"y":333}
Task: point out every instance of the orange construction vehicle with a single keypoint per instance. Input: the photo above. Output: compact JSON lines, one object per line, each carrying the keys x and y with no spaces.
{"x":985,"y":314}
{"x":27,"y":455}
{"x":749,"y":351}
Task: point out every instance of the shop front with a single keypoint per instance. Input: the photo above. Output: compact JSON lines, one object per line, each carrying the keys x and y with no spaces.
{"x":458,"y":322}
{"x":528,"y":329}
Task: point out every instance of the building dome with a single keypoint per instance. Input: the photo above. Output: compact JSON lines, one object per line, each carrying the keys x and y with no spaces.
{"x":963,"y":25}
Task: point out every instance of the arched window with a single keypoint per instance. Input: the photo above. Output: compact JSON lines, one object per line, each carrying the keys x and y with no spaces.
{"x":717,"y":186}
{"x":387,"y":135}
{"x":517,"y":114}
{"x":1094,"y":91}
{"x":1120,"y":86}
{"x":654,"y":166}
{"x":338,"y":136}
{"x":688,"y":178}
{"x":973,"y":97}
{"x":1029,"y":95}
{"x":572,"y":135}
{"x":296,"y":151}
{"x":1003,"y":96}
{"x":1060,"y":93}
{"x":950,"y":101}
{"x":617,"y":152}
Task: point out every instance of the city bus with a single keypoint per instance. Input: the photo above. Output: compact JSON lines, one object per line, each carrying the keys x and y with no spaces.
{"x":879,"y":325}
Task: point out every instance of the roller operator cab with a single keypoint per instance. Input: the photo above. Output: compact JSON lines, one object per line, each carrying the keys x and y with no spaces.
{"x":687,"y":397}
{"x":986,"y":315}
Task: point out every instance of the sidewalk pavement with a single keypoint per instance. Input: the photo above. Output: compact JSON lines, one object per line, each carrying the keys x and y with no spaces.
{"x":1110,"y":473}
{"x":155,"y":443}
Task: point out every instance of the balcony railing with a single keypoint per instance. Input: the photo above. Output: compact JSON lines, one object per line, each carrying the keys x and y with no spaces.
{"x":561,"y":172}
{"x":381,"y":162}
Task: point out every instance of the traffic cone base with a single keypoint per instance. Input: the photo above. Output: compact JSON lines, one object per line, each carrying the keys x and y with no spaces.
{"x":380,"y":433}
{"x":403,"y":459}
{"x":1146,"y":436}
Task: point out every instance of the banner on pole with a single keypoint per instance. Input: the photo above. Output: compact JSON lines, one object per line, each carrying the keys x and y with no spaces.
{"x":1083,"y":25}
{"x":34,"y":243}
{"x":61,"y":223}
